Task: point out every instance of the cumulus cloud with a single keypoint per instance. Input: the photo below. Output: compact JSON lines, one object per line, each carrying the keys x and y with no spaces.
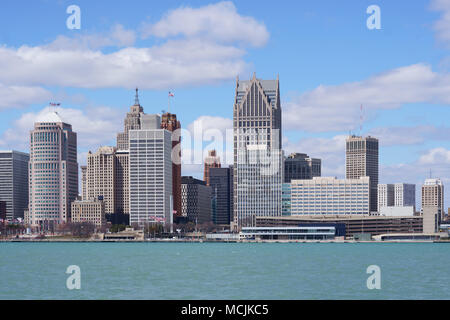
{"x":337,"y":108}
{"x":174,"y":63}
{"x":118,"y":36}
{"x":218,"y":22}
{"x":20,"y":96}
{"x":208,"y":47}
{"x":392,"y":136}
{"x":95,"y":126}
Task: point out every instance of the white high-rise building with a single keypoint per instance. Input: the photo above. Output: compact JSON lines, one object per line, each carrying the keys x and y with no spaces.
{"x":150,"y":182}
{"x":53,"y":171}
{"x":258,"y":173}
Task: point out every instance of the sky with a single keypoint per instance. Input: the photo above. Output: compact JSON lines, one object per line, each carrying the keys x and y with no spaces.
{"x":328,"y":61}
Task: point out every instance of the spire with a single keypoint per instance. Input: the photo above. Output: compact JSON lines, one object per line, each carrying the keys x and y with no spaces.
{"x":136,"y":98}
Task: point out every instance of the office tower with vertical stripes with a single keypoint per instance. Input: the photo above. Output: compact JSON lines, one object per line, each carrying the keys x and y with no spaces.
{"x":258,"y":163}
{"x":53,"y":170}
{"x":361,"y":160}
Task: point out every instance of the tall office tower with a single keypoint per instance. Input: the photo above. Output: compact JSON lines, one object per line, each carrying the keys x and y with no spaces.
{"x":53,"y":171}
{"x":258,"y":156}
{"x":150,"y":175}
{"x":286,"y":199}
{"x":131,"y":122}
{"x":433,"y":196}
{"x":361,"y":160}
{"x":169,"y":122}
{"x":221,"y":183}
{"x":14,"y":182}
{"x":385,"y":195}
{"x":301,"y":166}
{"x":405,"y":195}
{"x":195,"y":200}
{"x":211,"y":161}
{"x":83,"y":182}
{"x":101,"y":167}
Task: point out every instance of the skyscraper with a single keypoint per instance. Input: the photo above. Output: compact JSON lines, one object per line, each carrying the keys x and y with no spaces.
{"x":169,"y":122}
{"x":53,"y":170}
{"x":361,"y":160}
{"x":150,"y":175}
{"x":14,"y":182}
{"x":131,"y":122}
{"x":257,"y":150}
{"x":221,"y":183}
{"x":433,"y":196}
{"x":301,"y":166}
{"x":211,"y":161}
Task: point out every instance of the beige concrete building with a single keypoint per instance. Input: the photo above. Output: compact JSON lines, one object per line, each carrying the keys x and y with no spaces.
{"x":433,"y":196}
{"x":89,"y":211}
{"x":430,"y":219}
{"x":107,"y":177}
{"x":361,"y":160}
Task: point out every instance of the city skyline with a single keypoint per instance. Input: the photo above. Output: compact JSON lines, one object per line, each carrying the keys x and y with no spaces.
{"x":408,"y":120}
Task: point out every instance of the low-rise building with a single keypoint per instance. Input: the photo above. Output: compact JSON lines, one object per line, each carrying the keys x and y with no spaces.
{"x":328,"y":195}
{"x":92,"y":211}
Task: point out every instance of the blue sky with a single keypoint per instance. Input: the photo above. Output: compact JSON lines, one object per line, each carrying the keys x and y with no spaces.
{"x":328,"y":61}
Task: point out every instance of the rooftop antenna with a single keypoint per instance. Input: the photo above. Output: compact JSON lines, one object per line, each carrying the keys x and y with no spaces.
{"x":136,"y":98}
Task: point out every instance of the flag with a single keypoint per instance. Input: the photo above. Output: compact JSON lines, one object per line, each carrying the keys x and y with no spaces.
{"x":171,"y":94}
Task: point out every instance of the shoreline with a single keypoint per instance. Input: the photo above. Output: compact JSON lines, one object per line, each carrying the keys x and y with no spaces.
{"x":71,"y":240}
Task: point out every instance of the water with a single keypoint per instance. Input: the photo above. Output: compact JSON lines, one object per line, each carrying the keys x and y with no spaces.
{"x":224,"y":270}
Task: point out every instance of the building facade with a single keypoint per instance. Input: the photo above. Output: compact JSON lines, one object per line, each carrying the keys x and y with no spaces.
{"x":196,"y":200}
{"x":396,"y":195}
{"x":92,"y":211}
{"x":131,"y":122}
{"x":14,"y":182}
{"x":328,"y":195}
{"x":286,"y":199}
{"x":169,"y":122}
{"x":300,"y":166}
{"x":258,"y":156}
{"x":221,"y":183}
{"x":53,"y":171}
{"x":361,"y":160}
{"x":211,"y":161}
{"x":150,"y":195}
{"x":83,"y":182}
{"x":433,"y":196}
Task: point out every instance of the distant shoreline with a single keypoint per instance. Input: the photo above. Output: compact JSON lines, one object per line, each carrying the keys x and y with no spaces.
{"x":214,"y":241}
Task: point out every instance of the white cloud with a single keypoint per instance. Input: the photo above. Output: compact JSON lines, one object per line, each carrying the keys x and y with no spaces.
{"x":217,"y":22}
{"x":392,"y":136}
{"x":118,"y":36}
{"x":175,"y":63}
{"x":337,"y":108}
{"x":95,"y":126}
{"x":20,"y":96}
{"x":442,"y":26}
{"x":209,"y":48}
{"x":435,"y":157}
